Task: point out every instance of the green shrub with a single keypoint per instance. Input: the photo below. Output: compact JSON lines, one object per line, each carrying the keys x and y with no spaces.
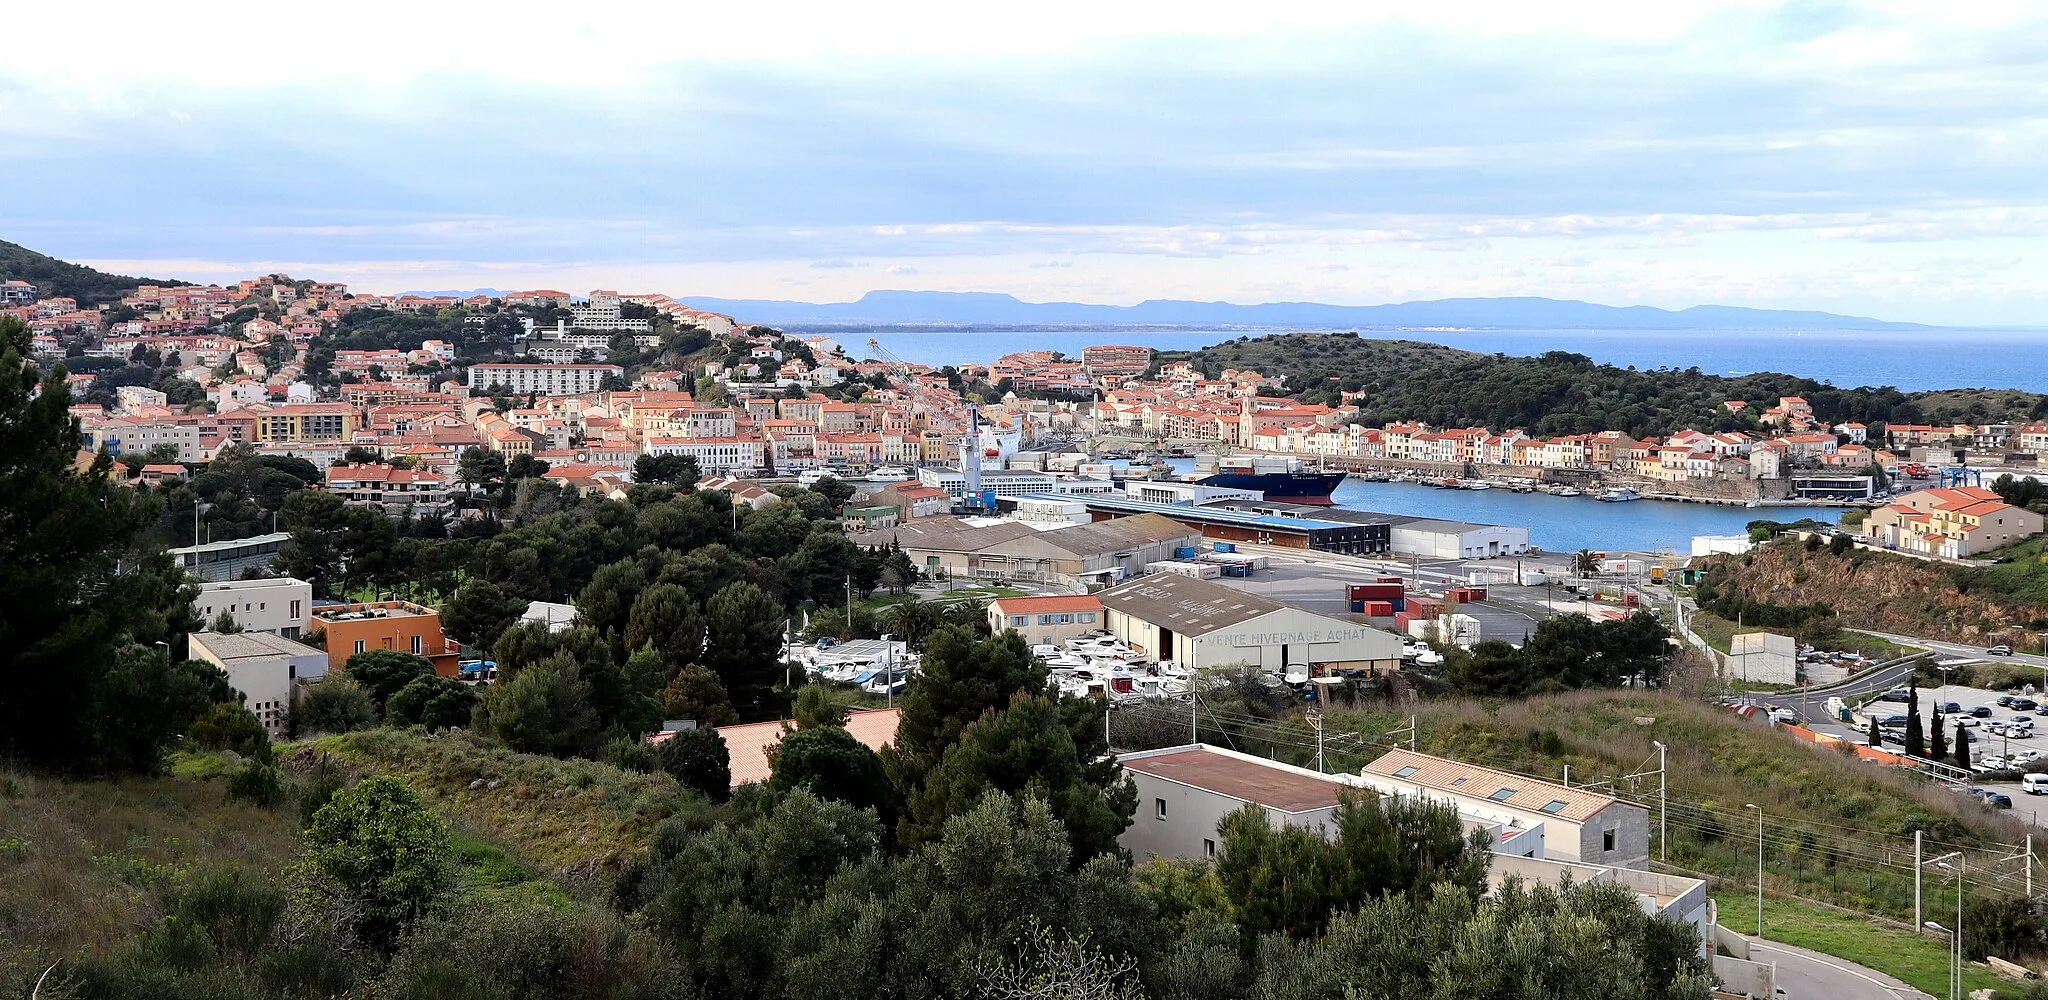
{"x":257,"y":782}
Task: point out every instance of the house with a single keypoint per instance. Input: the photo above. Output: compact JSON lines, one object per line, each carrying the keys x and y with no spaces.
{"x":393,"y":489}
{"x":749,"y":745}
{"x":1578,"y":824}
{"x":267,"y":670}
{"x":1046,"y":621}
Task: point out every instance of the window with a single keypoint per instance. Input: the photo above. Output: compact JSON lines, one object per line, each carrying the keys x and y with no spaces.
{"x":1020,"y":620}
{"x":1159,"y":807}
{"x":417,"y":643}
{"x":1607,"y":840}
{"x":1554,"y":806}
{"x":1405,"y":772}
{"x":295,"y":609}
{"x":1208,"y":847}
{"x":1502,"y":795}
{"x":359,"y":645}
{"x":1044,"y":619}
{"x":1085,"y":618}
{"x":1066,"y":619}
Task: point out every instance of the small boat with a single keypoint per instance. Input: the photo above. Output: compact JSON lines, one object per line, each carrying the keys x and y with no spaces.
{"x":1478,"y":485}
{"x":889,"y":474}
{"x":1621,"y":495}
{"x":1566,"y":492}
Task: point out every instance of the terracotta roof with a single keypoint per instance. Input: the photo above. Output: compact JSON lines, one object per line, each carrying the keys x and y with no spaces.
{"x":748,"y":744}
{"x":1249,"y":781}
{"x":1512,"y":791}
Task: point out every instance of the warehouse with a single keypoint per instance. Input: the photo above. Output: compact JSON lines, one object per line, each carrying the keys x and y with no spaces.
{"x":1201,"y":624}
{"x":1225,"y":525}
{"x":1077,"y":556}
{"x":1431,"y":538}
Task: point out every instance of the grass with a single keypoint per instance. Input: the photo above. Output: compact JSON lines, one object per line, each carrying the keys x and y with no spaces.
{"x":82,"y":863}
{"x":1920,"y":960}
{"x":561,"y":816}
{"x":1718,"y":631}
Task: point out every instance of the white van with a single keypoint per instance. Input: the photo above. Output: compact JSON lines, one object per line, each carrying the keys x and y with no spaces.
{"x":2034,"y":783}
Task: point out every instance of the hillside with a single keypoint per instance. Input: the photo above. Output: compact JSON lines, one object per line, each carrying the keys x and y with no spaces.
{"x":1527,"y":312}
{"x":1561,"y":392}
{"x":1892,"y":593}
{"x":57,"y":279}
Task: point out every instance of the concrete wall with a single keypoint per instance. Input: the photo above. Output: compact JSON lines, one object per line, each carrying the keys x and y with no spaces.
{"x":1631,"y":826}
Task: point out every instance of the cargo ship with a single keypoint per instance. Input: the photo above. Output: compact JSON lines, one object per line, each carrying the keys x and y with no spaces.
{"x":1278,"y":477}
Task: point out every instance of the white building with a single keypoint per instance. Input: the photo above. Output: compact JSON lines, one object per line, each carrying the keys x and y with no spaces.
{"x":133,"y":398}
{"x":1763,"y":658}
{"x":280,"y":605}
{"x":1432,"y":538}
{"x":601,"y":311}
{"x":738,"y":455}
{"x":265,"y":668}
{"x":1005,"y":482}
{"x":1201,"y":624}
{"x":1579,"y":825}
{"x":556,"y":617}
{"x":547,"y":380}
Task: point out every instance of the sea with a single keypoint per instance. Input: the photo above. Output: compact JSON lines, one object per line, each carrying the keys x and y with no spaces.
{"x":1913,"y":361}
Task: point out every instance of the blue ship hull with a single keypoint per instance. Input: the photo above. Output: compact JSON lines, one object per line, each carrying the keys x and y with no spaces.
{"x":1285,"y":487}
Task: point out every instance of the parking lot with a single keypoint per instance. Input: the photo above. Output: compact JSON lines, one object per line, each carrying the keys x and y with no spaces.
{"x":2032,"y":808}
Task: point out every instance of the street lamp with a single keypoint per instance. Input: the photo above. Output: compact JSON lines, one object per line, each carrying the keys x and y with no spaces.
{"x":1955,"y":986}
{"x":1759,"y":867}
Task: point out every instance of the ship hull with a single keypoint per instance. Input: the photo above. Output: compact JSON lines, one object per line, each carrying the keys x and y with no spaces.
{"x":1286,"y":487}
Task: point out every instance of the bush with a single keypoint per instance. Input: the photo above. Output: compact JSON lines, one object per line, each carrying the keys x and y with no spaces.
{"x":385,"y":851}
{"x":433,"y":701}
{"x":335,"y":705}
{"x":258,"y":782}
{"x":229,"y":726}
{"x":533,"y":951}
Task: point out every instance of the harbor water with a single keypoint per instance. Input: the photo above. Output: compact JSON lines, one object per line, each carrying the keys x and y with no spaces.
{"x":1568,"y":524}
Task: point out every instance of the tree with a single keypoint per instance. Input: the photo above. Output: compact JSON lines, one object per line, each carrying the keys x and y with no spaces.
{"x":525,"y":466}
{"x":665,"y":617}
{"x":961,"y":677}
{"x":382,"y":672}
{"x":1026,"y":747}
{"x":225,"y":623}
{"x":544,"y":708}
{"x":698,"y":759}
{"x":817,"y":705}
{"x":70,"y":589}
{"x":1585,"y":563}
{"x":1916,"y":739}
{"x":1061,"y":967}
{"x":433,"y":701}
{"x":1962,"y":743}
{"x":141,"y":703}
{"x":480,"y":613}
{"x":1937,"y":738}
{"x":680,"y":471}
{"x":831,"y":764}
{"x":479,"y":467}
{"x":743,"y":633}
{"x":386,"y":853}
{"x":1491,"y":668}
{"x":695,"y":693}
{"x":335,"y":705}
{"x":359,"y":455}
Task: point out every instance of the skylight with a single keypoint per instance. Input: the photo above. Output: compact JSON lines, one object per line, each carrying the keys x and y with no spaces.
{"x":1502,"y":794}
{"x":1406,"y":771}
{"x":1553,"y":806}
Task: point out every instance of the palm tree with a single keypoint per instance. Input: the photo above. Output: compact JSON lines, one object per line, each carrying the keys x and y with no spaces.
{"x":909,"y":620}
{"x":1585,"y":562}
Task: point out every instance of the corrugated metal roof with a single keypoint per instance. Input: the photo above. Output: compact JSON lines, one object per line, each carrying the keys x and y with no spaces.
{"x":1184,"y":604}
{"x":1484,"y":783}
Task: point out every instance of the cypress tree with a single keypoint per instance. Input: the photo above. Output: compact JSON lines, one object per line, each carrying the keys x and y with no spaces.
{"x":1916,"y":737}
{"x":1937,"y":738}
{"x":1962,"y":748}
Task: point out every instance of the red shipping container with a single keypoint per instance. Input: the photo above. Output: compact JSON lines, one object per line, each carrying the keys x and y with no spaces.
{"x":1374,"y":591}
{"x":1392,"y":579}
{"x":1401,"y":621}
{"x":1379,"y":609}
{"x":1425,"y":606}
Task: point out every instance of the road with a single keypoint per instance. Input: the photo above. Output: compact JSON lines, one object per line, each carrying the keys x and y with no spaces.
{"x":1810,"y":975}
{"x":1971,"y":652}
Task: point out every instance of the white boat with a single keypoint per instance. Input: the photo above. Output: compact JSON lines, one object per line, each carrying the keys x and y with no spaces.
{"x":889,"y":474}
{"x":1568,"y":492}
{"x":1478,"y":484}
{"x":1622,"y":495}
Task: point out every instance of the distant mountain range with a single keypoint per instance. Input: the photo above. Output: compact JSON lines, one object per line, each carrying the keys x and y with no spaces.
{"x":898,"y":308}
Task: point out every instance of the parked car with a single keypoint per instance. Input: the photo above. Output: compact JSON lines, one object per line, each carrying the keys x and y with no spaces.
{"x":2024,"y":705}
{"x":1998,"y":800}
{"x":1949,"y":707}
{"x":2000,"y":650}
{"x":1900,"y":695}
{"x":2004,"y":700}
{"x":2034,"y":783}
{"x":1968,"y":722}
{"x":1993,"y":763}
{"x":1981,"y":711}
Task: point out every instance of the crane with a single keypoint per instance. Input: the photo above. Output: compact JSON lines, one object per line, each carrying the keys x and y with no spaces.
{"x":897,"y":366}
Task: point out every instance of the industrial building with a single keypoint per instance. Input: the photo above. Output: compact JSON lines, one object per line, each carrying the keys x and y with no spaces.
{"x":1226,"y":525}
{"x":1078,"y":556}
{"x":1202,"y":624}
{"x":227,"y":560}
{"x":1407,"y":534}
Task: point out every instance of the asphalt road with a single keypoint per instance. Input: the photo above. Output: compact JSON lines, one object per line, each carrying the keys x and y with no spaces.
{"x":1810,"y":975}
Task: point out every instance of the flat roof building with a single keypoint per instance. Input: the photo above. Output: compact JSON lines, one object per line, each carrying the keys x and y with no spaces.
{"x":279,"y":605}
{"x":1224,"y":524}
{"x":265,"y":668}
{"x":399,"y":625}
{"x":1201,"y":624}
{"x":1076,"y":555}
{"x":227,"y":560}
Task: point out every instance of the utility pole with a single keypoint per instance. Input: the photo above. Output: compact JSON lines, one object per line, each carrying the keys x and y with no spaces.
{"x":849,"y":601}
{"x":1315,"y":721}
{"x":1917,"y":863}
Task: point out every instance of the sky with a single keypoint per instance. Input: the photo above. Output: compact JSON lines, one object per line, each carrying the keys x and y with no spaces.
{"x":1877,"y":159}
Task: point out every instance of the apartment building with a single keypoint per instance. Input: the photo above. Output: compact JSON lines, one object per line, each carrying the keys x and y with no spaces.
{"x":279,"y":605}
{"x":545,"y":380}
{"x":400,"y":625}
{"x":741,"y":455}
{"x":17,"y":293}
{"x":297,"y":422}
{"x":1951,"y":523}
{"x":393,"y":489}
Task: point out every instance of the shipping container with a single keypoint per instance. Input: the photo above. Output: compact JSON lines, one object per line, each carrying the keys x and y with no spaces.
{"x":1392,"y":579}
{"x":1465,"y":595}
{"x":1184,"y":552}
{"x":1374,"y":591}
{"x":1378,"y":609}
{"x":1198,"y":570}
{"x":1225,"y":546}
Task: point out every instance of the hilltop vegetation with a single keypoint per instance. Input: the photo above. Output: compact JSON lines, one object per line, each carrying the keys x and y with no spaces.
{"x":1564,"y":393}
{"x":56,"y":279}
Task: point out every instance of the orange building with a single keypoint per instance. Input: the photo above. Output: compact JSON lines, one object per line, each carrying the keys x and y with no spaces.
{"x":400,"y":625}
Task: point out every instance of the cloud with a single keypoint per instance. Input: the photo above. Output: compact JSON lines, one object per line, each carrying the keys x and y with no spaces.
{"x":902,"y":270}
{"x":836,"y":262}
{"x":1052,"y":263}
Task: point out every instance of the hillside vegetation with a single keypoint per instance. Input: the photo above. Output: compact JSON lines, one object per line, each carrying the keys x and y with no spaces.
{"x":1887,"y":593}
{"x":55,"y":278}
{"x":1564,"y":393}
